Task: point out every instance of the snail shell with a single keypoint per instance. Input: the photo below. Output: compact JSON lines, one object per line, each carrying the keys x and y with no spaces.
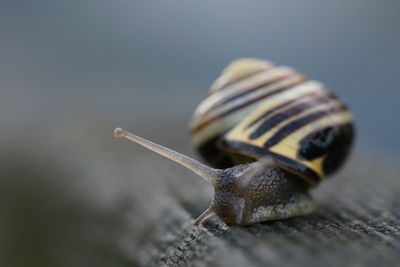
{"x":257,"y":109}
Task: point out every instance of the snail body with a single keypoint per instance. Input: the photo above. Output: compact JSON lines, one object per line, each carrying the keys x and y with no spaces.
{"x":269,"y":135}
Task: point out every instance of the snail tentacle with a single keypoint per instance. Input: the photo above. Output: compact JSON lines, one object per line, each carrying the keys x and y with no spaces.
{"x":209,"y":174}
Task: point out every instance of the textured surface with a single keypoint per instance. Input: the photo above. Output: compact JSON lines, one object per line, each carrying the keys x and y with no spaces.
{"x":356,"y":224}
{"x":107,"y":202}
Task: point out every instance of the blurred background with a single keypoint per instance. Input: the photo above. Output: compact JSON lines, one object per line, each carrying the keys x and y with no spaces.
{"x":71,"y":71}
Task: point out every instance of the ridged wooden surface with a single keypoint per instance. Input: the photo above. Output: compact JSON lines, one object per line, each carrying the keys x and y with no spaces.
{"x":108,"y":202}
{"x":356,"y":223}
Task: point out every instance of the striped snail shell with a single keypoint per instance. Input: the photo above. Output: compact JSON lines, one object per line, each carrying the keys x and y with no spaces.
{"x":257,"y":109}
{"x":270,"y":134}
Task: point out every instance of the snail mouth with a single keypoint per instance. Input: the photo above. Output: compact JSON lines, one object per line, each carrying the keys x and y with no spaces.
{"x":232,"y":214}
{"x":228,"y":220}
{"x":237,"y":220}
{"x":228,"y":216}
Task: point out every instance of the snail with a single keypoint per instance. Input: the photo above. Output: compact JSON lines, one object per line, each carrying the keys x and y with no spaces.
{"x":268,"y":135}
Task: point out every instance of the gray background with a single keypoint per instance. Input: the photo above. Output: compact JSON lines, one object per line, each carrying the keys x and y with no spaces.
{"x":131,"y":63}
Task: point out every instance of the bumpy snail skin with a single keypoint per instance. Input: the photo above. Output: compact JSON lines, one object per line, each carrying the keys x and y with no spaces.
{"x":270,"y":193}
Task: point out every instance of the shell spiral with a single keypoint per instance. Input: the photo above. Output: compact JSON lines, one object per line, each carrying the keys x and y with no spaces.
{"x":257,"y":109}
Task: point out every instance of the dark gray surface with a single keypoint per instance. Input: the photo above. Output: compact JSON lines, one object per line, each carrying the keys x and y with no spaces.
{"x":82,"y":198}
{"x":356,"y":223}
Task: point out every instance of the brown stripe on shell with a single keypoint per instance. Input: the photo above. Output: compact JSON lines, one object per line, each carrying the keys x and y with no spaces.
{"x":283,"y":106}
{"x":246,"y":91}
{"x":238,"y":70}
{"x":226,"y":85}
{"x":207,"y":122}
{"x":298,"y":124}
{"x":287,"y":114}
{"x":212,"y":105}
